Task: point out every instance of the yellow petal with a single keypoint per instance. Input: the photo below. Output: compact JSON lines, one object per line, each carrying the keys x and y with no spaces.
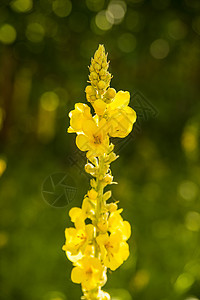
{"x":77,"y":275}
{"x":70,"y":130}
{"x":103,"y":127}
{"x":126,"y":230}
{"x":75,"y":212}
{"x":121,"y":100}
{"x":121,"y":122}
{"x":74,"y":258}
{"x":113,"y":262}
{"x":90,"y":128}
{"x":69,"y":232}
{"x":82,"y":142}
{"x":88,"y":207}
{"x":83,"y":108}
{"x":130,"y":113}
{"x":89,"y":231}
{"x":76,"y":121}
{"x":99,"y":107}
{"x":124,"y":251}
{"x":79,"y":223}
{"x":102,"y":239}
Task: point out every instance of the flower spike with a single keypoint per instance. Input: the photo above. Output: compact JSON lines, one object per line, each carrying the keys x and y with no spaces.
{"x":102,"y":244}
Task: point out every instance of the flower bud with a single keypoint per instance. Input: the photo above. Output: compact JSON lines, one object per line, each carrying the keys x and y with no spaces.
{"x":92,"y":194}
{"x":112,"y":207}
{"x":97,"y":67}
{"x":90,"y":169}
{"x":101,"y":84}
{"x":110,"y":93}
{"x":93,"y":76}
{"x":90,"y":90}
{"x":108,"y":179}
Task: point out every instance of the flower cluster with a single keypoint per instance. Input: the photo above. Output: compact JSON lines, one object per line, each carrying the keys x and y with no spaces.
{"x":98,"y":240}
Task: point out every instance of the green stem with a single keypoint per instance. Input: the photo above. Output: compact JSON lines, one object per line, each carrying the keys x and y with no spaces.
{"x":99,"y":190}
{"x":92,"y":295}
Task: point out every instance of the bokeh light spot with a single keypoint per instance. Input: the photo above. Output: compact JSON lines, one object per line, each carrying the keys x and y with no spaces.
{"x":127,"y":42}
{"x":35,"y":32}
{"x":3,"y":166}
{"x":55,"y":296}
{"x":117,"y":10}
{"x":49,"y":101}
{"x":3,"y":239}
{"x":120,"y":294}
{"x":159,"y":49}
{"x":183,"y":282}
{"x":190,"y":138}
{"x":102,"y":21}
{"x":7,"y":34}
{"x":21,"y":6}
{"x":188,"y":190}
{"x":110,"y":17}
{"x":177,"y":29}
{"x":192,"y":221}
{"x":62,"y":8}
{"x":141,"y":279}
{"x":189,"y":141}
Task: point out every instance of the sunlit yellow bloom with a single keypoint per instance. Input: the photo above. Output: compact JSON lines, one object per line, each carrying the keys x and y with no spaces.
{"x":78,"y":116}
{"x":78,"y":215}
{"x":88,"y":272}
{"x":77,"y":239}
{"x":116,"y":223}
{"x":114,"y":251}
{"x":94,"y":139}
{"x":120,"y":116}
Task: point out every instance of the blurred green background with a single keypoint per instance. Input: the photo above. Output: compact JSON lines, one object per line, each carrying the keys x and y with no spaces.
{"x":154,"y":49}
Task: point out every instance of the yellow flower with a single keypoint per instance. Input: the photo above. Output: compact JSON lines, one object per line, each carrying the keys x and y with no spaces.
{"x":78,"y":116}
{"x":78,"y":215}
{"x":114,"y":251}
{"x":88,"y":272}
{"x":120,"y":116}
{"x":77,"y":240}
{"x":94,"y":138}
{"x":117,"y":224}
